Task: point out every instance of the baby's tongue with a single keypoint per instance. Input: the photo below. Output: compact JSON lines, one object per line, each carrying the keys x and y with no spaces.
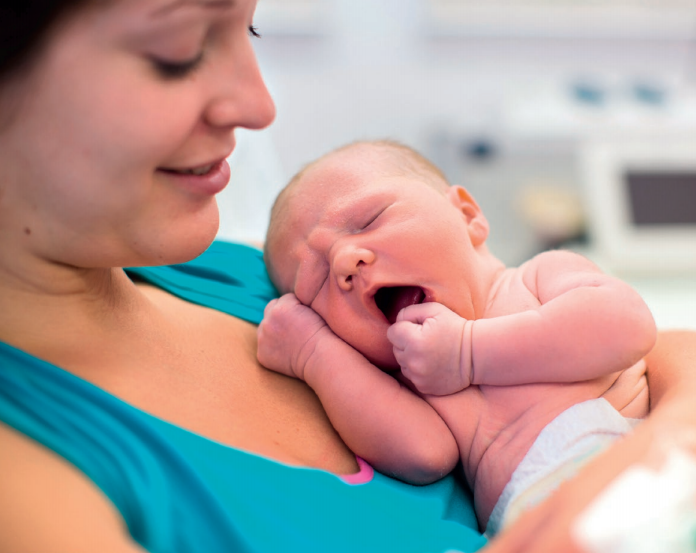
{"x":392,"y":300}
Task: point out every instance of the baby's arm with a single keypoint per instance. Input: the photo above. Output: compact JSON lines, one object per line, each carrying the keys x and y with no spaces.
{"x":588,"y":325}
{"x":379,"y":418}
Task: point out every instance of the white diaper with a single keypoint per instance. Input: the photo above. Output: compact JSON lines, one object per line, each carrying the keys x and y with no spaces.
{"x":561,"y":449}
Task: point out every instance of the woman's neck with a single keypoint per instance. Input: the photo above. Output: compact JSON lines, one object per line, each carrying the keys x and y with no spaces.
{"x":43,"y":304}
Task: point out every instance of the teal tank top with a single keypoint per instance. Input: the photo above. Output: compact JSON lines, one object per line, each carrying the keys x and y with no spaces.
{"x":181,"y":492}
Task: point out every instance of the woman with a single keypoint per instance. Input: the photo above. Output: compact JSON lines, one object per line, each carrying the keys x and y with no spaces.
{"x":129,"y":399}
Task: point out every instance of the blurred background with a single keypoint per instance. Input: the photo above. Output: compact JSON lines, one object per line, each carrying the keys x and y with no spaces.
{"x":529,"y":104}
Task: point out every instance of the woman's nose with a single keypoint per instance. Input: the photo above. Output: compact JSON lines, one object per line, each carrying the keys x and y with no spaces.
{"x":241,"y":99}
{"x":347,"y":262}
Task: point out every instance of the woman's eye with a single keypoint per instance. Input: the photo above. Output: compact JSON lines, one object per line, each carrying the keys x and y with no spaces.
{"x":253,"y":31}
{"x":177,"y":69}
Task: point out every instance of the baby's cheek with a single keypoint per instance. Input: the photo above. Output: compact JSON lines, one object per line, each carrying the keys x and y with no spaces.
{"x":378,"y":350}
{"x":358,"y":330}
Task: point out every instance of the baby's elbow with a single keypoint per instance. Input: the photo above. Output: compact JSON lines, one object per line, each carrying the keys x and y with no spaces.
{"x":644,"y":333}
{"x":628,"y":322}
{"x":649,"y":336}
{"x":429,"y":462}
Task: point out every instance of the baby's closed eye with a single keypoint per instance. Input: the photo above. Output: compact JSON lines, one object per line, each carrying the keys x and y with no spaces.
{"x":369,"y":221}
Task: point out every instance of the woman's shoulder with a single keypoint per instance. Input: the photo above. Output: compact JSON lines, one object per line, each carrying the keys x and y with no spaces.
{"x":51,"y":505}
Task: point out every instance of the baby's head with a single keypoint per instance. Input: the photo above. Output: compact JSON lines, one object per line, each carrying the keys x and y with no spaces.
{"x":376,"y":158}
{"x":367,"y":230}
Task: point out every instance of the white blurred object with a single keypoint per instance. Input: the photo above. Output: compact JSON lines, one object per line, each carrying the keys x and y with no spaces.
{"x":256,"y":179}
{"x":646,"y":229}
{"x":644,"y":511}
{"x":554,"y":213}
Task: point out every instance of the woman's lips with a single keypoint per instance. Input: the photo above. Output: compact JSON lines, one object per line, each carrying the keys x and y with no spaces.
{"x":205,"y":180}
{"x":392,"y":299}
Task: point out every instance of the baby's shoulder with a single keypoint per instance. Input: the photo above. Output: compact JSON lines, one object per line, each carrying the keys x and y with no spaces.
{"x":557,"y":260}
{"x":558,"y":268}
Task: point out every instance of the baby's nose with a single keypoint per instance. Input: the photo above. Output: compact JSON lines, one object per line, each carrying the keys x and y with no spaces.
{"x":348,"y":262}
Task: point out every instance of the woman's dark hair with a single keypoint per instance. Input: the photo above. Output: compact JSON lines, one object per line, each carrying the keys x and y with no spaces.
{"x":24,"y":24}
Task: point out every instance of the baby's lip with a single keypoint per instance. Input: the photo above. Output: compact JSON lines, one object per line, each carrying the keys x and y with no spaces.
{"x":392,"y":299}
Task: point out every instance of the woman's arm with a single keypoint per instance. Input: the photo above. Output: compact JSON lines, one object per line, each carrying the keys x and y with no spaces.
{"x":671,"y":424}
{"x":48,"y":505}
{"x":379,"y":418}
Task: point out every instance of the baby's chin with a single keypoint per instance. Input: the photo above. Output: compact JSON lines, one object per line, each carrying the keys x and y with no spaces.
{"x":382,"y":358}
{"x":371,"y":342}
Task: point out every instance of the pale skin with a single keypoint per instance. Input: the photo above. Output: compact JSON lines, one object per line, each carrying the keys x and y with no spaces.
{"x":525,"y":345}
{"x":80,"y":131}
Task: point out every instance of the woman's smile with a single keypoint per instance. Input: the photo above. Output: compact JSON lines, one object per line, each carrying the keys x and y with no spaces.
{"x":205,"y":180}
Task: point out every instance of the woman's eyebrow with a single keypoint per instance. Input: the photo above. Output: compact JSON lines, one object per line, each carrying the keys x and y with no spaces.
{"x":176,"y":4}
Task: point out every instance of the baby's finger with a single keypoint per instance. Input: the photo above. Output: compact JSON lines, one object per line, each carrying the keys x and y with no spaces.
{"x":289,"y":299}
{"x":418,"y":313}
{"x":269,"y":306}
{"x":402,"y":360}
{"x":401,"y":333}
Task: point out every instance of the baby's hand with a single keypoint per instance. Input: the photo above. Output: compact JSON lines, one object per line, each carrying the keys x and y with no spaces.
{"x":288,"y":335}
{"x":428,"y":340}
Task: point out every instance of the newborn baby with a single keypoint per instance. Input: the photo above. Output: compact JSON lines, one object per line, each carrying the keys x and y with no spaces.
{"x":425,"y":350}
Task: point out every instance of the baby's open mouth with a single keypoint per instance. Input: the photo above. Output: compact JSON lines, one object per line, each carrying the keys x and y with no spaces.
{"x":392,"y":299}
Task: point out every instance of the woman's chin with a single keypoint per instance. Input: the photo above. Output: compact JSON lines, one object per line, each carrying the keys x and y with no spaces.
{"x":188,"y":248}
{"x":179,"y":242}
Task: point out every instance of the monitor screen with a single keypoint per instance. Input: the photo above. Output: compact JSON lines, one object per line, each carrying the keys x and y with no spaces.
{"x":641,"y":203}
{"x":659,"y":198}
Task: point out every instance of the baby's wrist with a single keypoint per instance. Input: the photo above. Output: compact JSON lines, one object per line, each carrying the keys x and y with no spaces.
{"x":466,"y":354}
{"x":317,"y":354}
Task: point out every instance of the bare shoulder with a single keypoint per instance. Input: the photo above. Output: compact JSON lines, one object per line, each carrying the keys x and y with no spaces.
{"x":48,"y":505}
{"x":560,"y":259}
{"x":553,"y":272}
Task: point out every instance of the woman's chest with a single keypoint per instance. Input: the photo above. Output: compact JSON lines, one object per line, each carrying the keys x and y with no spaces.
{"x":199,"y":371}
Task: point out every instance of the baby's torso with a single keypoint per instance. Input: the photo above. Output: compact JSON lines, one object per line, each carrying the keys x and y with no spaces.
{"x":496,"y":425}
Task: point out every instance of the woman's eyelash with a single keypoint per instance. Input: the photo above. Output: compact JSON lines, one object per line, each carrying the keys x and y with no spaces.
{"x":177,"y":69}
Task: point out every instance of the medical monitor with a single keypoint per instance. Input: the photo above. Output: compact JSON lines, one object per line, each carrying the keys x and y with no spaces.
{"x":641,"y":204}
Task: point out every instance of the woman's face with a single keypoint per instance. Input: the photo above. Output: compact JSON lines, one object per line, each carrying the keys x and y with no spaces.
{"x":113,"y":144}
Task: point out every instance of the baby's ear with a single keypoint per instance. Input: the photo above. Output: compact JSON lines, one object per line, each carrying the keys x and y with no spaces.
{"x":460,"y":198}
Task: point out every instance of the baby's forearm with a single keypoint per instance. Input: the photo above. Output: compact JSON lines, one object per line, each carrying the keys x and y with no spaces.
{"x":380,"y":419}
